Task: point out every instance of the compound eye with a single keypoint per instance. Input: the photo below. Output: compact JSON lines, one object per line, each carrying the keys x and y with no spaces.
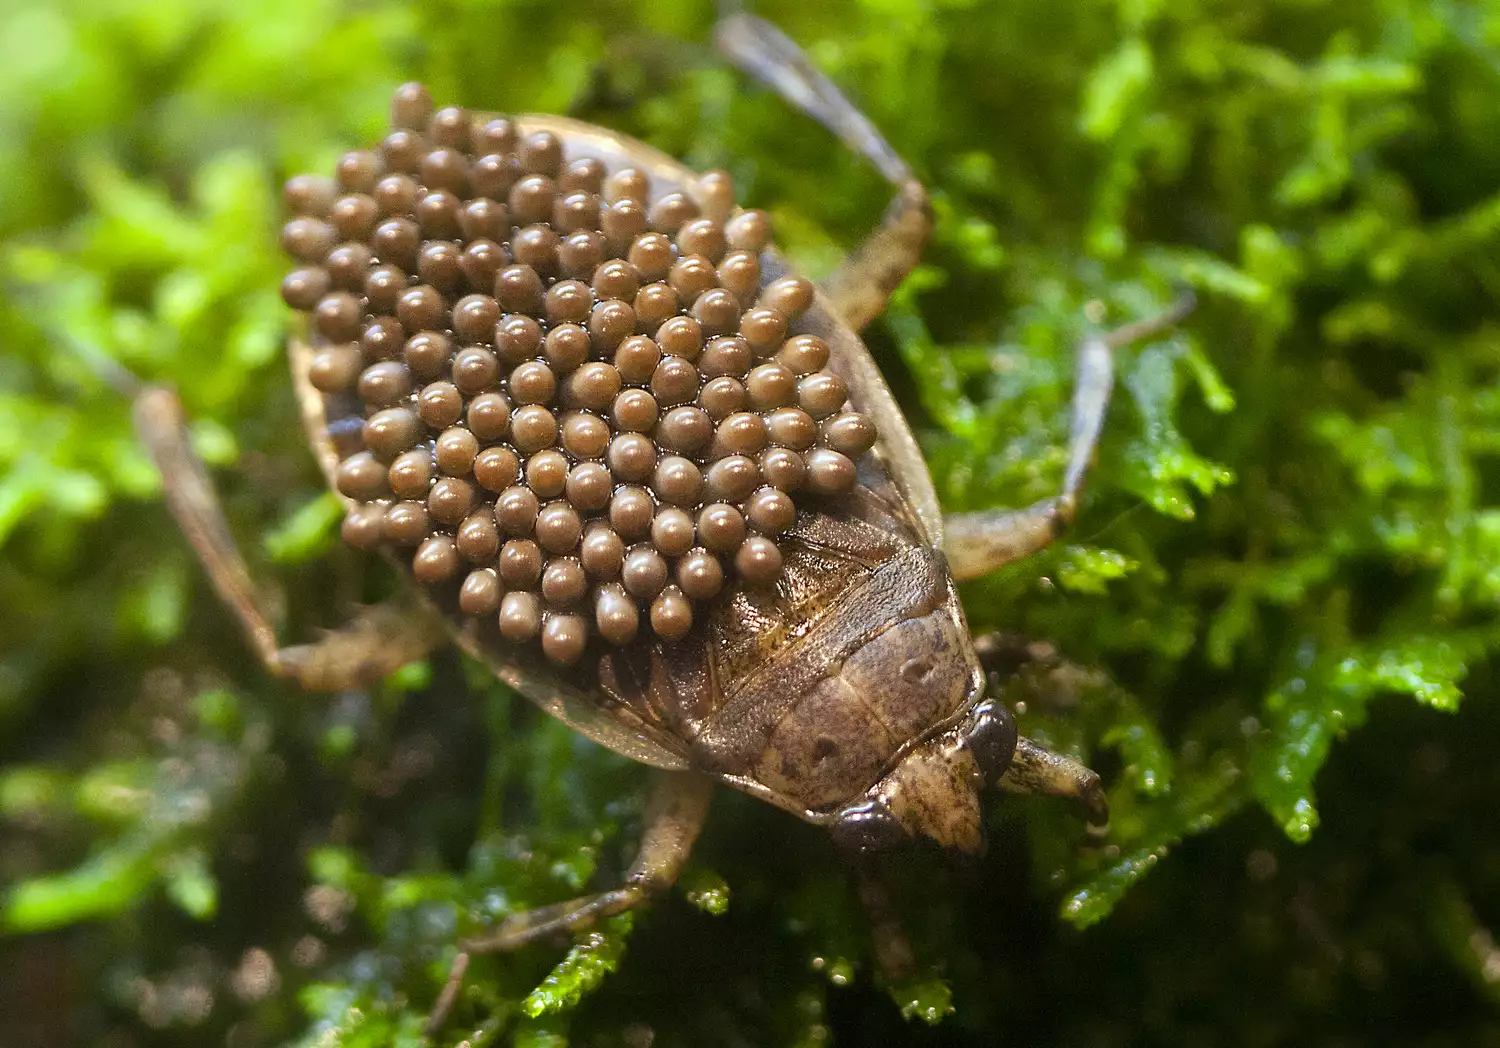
{"x":991,"y":737}
{"x":866,"y":827}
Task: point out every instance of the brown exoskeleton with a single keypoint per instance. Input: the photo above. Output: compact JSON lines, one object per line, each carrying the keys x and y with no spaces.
{"x":839,"y":684}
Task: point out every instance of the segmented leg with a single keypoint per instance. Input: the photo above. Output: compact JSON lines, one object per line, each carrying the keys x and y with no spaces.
{"x":859,"y":288}
{"x":979,"y":542}
{"x":1034,"y":769}
{"x":374,"y":644}
{"x":675,"y":813}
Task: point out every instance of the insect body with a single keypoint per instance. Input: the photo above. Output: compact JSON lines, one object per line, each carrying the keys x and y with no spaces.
{"x":646,"y":473}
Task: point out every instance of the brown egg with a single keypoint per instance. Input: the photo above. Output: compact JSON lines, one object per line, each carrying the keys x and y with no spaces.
{"x":478,"y":537}
{"x":334,"y":368}
{"x":361,"y":476}
{"x":748,"y":231}
{"x":474,"y":370}
{"x":406,"y":523}
{"x":610,"y":323}
{"x":450,"y":127}
{"x":536,"y":246}
{"x":383,"y":285}
{"x":569,"y":301}
{"x":650,"y":254}
{"x":634,"y":411}
{"x":484,"y":219}
{"x":685,"y":429}
{"x":581,"y":253}
{"x":533,"y":428}
{"x":337,"y":316}
{"x":309,"y":195}
{"x":388,"y":433}
{"x":302,"y":288}
{"x":566,"y":347}
{"x":563,"y":581}
{"x":771,"y":386}
{"x":589,"y":486}
{"x":564,"y":637}
{"x":382,"y":339}
{"x":692,"y":275}
{"x":644,"y":573}
{"x":531,"y":200}
{"x":436,"y":560}
{"x":739,"y":274}
{"x":445,"y":171}
{"x":348,"y":264}
{"x":585,"y":436}
{"x":308,"y":239}
{"x":428,"y":354}
{"x":488,"y":416}
{"x":655,"y":304}
{"x":828,"y":472}
{"x":575,"y":211}
{"x":403,"y":150}
{"x":616,"y":278}
{"x":450,"y":500}
{"x":718,"y":310}
{"x":475,"y":317}
{"x":671,"y":614}
{"x":850,"y":433}
{"x":791,"y":428}
{"x":732,"y":478}
{"x":516,"y":510}
{"x":771,"y":511}
{"x":783,"y":469}
{"x":672,"y":531}
{"x":636,"y":359}
{"x":677,"y":481}
{"x":395,"y":241}
{"x":585,"y":174}
{"x":670,"y":212}
{"x":628,"y":183}
{"x":715,"y":193}
{"x":517,"y":338}
{"x":547,"y":473}
{"x":602,"y":551}
{"x":396,"y":194}
{"x":822,"y":394}
{"x":593,"y":386}
{"x":480,"y":593}
{"x":631,"y":456}
{"x":481,"y":263}
{"x":790,"y":296}
{"x":675,"y":381}
{"x":721,"y":528}
{"x":497,"y":468}
{"x":631,"y":512}
{"x":722,"y":397}
{"x":743,"y":433}
{"x":520,"y":564}
{"x":616,"y":615}
{"x":455,"y":450}
{"x":493,"y":175}
{"x":520,"y":616}
{"x":411,"y":106}
{"x":519,"y":289}
{"x":725,"y":355}
{"x":364,"y":525}
{"x":542,"y":152}
{"x":681,"y":336}
{"x":700,"y":575}
{"x":533,"y":382}
{"x":622,"y":222}
{"x":422,"y":308}
{"x":440,"y":405}
{"x":702,"y":236}
{"x":410,"y":475}
{"x":438,"y":213}
{"x":497,"y":135}
{"x":758,"y":561}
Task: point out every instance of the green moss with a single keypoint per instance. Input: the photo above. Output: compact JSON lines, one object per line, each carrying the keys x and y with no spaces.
{"x":1283,"y":581}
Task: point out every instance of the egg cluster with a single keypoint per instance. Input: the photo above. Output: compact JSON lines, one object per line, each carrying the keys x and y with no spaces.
{"x":580,"y":405}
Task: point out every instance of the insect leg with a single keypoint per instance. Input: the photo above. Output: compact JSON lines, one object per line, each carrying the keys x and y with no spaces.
{"x":374,"y":644}
{"x":858,"y":289}
{"x":1034,"y":769}
{"x":675,"y":813}
{"x":979,"y":542}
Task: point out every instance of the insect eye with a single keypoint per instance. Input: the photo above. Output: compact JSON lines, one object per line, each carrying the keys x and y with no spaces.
{"x":867,"y":826}
{"x":991,"y":737}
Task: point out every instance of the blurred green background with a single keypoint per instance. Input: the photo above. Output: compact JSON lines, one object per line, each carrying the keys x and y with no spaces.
{"x":1280,"y":600}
